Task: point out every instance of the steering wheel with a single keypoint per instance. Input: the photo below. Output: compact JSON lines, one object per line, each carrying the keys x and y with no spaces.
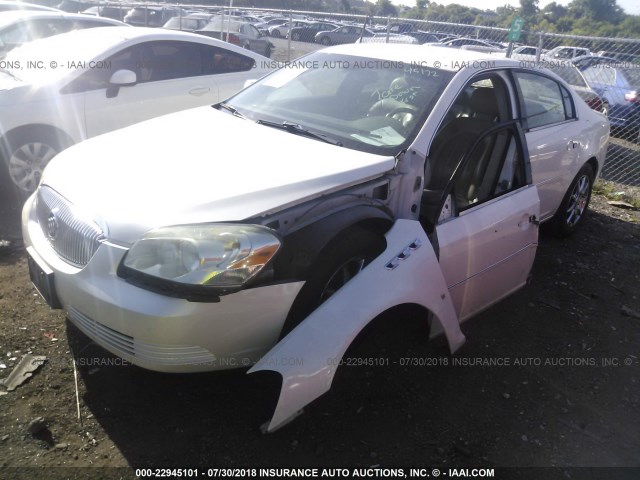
{"x":404,"y":115}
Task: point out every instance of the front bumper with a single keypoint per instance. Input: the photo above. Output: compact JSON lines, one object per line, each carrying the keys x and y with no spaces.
{"x":154,"y":331}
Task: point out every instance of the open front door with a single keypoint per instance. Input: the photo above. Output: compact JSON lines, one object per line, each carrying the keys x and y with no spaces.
{"x":488,"y":239}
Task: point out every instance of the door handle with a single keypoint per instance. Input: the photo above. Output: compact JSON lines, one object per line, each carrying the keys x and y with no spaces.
{"x":572,"y":144}
{"x":199,"y":91}
{"x":533,"y":219}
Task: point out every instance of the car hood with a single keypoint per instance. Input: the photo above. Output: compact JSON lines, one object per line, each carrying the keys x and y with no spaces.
{"x":199,"y":165}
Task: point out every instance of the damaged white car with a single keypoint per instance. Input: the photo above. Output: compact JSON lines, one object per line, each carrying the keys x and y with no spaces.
{"x":225,"y":236}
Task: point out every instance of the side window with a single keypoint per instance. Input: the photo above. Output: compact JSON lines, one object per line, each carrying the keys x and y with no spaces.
{"x":158,"y":61}
{"x":218,"y":60}
{"x":601,"y":74}
{"x":475,"y":155}
{"x":151,"y":61}
{"x":545,"y":101}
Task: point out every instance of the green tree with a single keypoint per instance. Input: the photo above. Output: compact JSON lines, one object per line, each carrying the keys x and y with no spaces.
{"x":385,"y":8}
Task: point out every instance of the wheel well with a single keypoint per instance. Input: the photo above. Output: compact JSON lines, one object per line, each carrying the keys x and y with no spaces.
{"x":35,"y":130}
{"x":393,"y":331}
{"x":302,"y":248}
{"x":594,"y":165}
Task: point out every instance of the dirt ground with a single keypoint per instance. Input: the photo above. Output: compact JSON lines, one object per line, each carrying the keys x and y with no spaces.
{"x":548,"y":377}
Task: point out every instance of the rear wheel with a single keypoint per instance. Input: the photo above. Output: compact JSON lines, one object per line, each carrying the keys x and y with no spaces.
{"x":338,"y":263}
{"x":325,"y":41}
{"x":573,"y":208}
{"x":276,"y":33}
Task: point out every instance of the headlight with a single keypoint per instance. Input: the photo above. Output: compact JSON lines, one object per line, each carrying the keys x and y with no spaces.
{"x":212,"y":255}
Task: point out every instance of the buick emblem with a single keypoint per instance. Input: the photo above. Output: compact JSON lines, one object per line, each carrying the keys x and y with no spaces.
{"x":52,"y":226}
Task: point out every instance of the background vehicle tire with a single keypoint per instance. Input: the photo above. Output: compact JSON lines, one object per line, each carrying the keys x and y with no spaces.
{"x":295,"y":36}
{"x":575,"y":203}
{"x":276,"y":33}
{"x":325,"y":41}
{"x":26,"y":153}
{"x":342,"y":259}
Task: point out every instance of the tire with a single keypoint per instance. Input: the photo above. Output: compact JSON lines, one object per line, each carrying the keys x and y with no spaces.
{"x":276,"y":33}
{"x":572,"y":210}
{"x":295,"y":36}
{"x":342,"y":259}
{"x":26,"y":153}
{"x":325,"y":41}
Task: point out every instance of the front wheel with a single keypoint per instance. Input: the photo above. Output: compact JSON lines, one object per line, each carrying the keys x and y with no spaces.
{"x":27,"y":155}
{"x":276,"y":34}
{"x":338,"y":263}
{"x":573,"y":208}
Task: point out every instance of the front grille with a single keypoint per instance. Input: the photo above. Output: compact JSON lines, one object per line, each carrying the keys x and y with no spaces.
{"x":74,"y":238}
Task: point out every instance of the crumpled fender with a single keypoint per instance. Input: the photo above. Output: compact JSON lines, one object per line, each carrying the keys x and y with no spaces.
{"x":406,"y":272}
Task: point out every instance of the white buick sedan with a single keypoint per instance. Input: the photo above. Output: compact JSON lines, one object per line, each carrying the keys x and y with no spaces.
{"x":356,"y":179}
{"x":64,"y":89}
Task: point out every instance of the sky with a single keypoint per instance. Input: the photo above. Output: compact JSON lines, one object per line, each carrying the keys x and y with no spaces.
{"x":631,"y":7}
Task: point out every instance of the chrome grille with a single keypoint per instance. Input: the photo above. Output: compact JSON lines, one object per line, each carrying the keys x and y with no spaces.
{"x":74,"y":238}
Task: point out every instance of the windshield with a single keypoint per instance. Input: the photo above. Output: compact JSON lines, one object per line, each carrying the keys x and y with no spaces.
{"x":569,"y":74}
{"x":367,"y":104}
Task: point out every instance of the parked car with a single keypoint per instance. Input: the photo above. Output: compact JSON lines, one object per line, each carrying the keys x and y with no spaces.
{"x":104,"y":79}
{"x":109,"y":11}
{"x":570,"y":74}
{"x":424,"y":37}
{"x":19,"y":27}
{"x":619,"y":83}
{"x":243,"y":34}
{"x":525,"y":50}
{"x":191,"y":22}
{"x":280,"y":31}
{"x":389,"y":38}
{"x":263,"y":27}
{"x":327,"y":197}
{"x":344,"y":34}
{"x":152,"y":16}
{"x":307,"y":32}
{"x":564,"y":52}
{"x":471,"y":44}
{"x":7,"y":6}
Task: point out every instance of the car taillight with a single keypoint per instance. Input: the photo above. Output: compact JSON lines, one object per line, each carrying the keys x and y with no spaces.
{"x":632,"y":97}
{"x":595,"y":103}
{"x":234,"y":39}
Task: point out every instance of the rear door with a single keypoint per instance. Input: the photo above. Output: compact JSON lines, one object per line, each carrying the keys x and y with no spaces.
{"x":548,"y":117}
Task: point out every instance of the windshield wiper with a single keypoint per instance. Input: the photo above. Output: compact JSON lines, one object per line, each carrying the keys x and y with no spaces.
{"x":300,"y":130}
{"x":231,"y":109}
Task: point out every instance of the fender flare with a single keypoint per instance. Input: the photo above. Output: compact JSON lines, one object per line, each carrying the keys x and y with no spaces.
{"x":302,"y":247}
{"x":407,"y":271}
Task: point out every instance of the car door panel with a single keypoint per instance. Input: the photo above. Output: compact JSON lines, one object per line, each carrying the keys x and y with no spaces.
{"x":487,"y":252}
{"x":143,"y":101}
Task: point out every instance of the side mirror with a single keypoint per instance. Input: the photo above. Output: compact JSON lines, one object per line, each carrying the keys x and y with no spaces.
{"x":121,"y":78}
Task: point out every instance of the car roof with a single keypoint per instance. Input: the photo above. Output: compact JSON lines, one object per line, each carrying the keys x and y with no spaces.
{"x":428,"y":55}
{"x":13,"y":16}
{"x":89,"y":42}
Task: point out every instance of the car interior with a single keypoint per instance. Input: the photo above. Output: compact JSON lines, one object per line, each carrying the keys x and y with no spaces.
{"x":475,"y":155}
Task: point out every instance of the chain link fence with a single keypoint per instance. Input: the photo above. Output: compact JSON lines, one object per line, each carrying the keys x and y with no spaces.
{"x":605,"y":72}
